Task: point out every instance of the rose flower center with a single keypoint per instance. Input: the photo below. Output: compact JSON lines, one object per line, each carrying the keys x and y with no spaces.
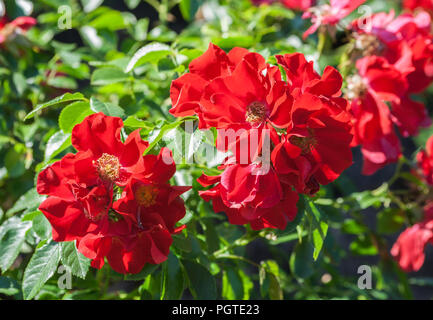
{"x":146,"y":195}
{"x":108,"y":167}
{"x":256,"y":113}
{"x":355,"y":87}
{"x":368,"y":44}
{"x":305,"y":143}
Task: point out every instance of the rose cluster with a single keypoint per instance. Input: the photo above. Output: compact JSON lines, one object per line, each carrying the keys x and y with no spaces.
{"x":327,"y":16}
{"x":289,"y":132}
{"x":410,"y":245}
{"x":394,"y":60}
{"x":113,"y":201}
{"x":393,"y":57}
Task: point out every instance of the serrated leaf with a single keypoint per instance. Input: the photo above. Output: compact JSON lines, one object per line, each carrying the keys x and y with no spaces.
{"x":12,"y":236}
{"x":42,"y":226}
{"x":73,"y":115}
{"x":57,"y":143}
{"x":63,"y":100}
{"x":28,"y":201}
{"x":159,"y":133}
{"x":74,"y":260}
{"x":41,"y":267}
{"x":108,"y":109}
{"x":152,"y":52}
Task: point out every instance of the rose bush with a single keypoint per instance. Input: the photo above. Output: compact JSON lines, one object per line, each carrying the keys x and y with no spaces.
{"x":215,"y":149}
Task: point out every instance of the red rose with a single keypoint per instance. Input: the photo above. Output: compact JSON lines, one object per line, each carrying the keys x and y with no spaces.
{"x":425,"y":161}
{"x":154,"y":207}
{"x":186,"y":92}
{"x":314,"y":126}
{"x":9,"y":28}
{"x":415,"y":4}
{"x":330,"y":14}
{"x":290,"y":4}
{"x":301,"y":116}
{"x":405,"y":41}
{"x":374,"y":132}
{"x":378,"y":81}
{"x":249,"y":196}
{"x":81,"y":188}
{"x":410,"y":245}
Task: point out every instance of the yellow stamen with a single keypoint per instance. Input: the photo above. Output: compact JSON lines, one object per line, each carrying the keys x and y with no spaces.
{"x":256,"y":113}
{"x":146,"y":195}
{"x":108,"y":167}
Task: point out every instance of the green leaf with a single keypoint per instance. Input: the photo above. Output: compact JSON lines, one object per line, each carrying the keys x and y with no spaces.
{"x":74,"y":260}
{"x":19,"y":82}
{"x":201,"y":283}
{"x":363,"y":246}
{"x":132,"y":4}
{"x":390,"y":221}
{"x":63,"y":83}
{"x":351,"y":226}
{"x":28,"y":201}
{"x":212,"y":239}
{"x":319,"y":235}
{"x":301,"y":260}
{"x":90,"y":5}
{"x":73,"y":115}
{"x":108,"y":109}
{"x":148,"y":269}
{"x":319,"y":229}
{"x":41,"y":267}
{"x":42,"y":226}
{"x":173,"y":281}
{"x":12,"y":236}
{"x":269,"y":280}
{"x":9,"y":286}
{"x":14,"y":161}
{"x":105,"y":76}
{"x":189,"y":8}
{"x":233,"y":284}
{"x":57,"y":143}
{"x":152,"y":52}
{"x":275,"y":291}
{"x":159,"y":133}
{"x":63,"y":100}
{"x":140,"y":29}
{"x":112,"y":20}
{"x":182,"y":243}
{"x":234,"y":41}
